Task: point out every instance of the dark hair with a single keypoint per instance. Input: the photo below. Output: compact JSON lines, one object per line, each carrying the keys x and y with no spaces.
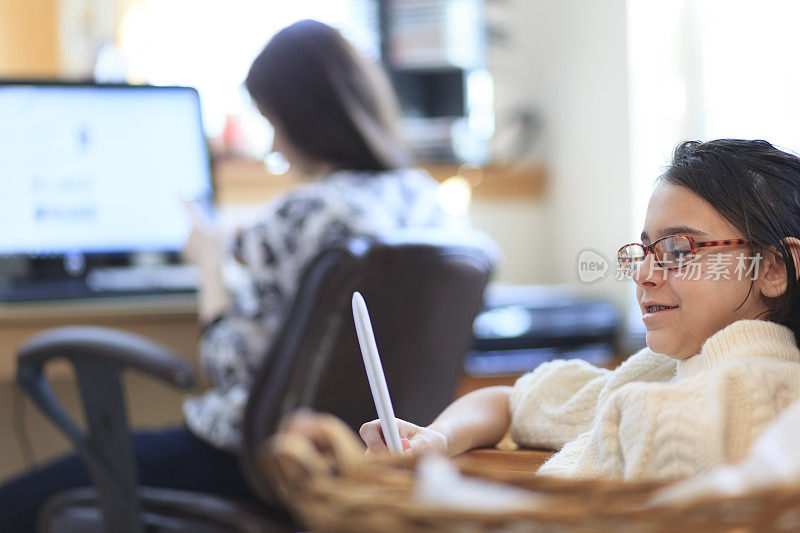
{"x":755,"y":187}
{"x":335,"y":106}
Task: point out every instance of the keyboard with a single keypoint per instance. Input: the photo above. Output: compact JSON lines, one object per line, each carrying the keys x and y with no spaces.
{"x":106,"y":281}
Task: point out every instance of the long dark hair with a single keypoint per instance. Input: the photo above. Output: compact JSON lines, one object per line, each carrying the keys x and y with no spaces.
{"x":335,"y":106}
{"x":755,"y":187}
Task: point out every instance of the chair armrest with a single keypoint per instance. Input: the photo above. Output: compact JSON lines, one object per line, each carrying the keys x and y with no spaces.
{"x":98,"y":356}
{"x":86,"y":342}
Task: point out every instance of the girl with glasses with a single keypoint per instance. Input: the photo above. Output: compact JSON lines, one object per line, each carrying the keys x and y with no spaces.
{"x":722,"y":358}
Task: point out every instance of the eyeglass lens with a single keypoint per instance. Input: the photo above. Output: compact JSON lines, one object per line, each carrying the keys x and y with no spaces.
{"x":671,"y":252}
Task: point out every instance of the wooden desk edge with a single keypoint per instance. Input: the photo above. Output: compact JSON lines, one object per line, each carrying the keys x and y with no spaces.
{"x":152,"y":307}
{"x":509,"y":460}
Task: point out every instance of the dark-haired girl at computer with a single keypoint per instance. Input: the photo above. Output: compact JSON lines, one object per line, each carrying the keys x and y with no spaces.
{"x":334,"y":116}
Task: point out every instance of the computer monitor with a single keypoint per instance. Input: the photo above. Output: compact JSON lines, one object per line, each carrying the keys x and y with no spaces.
{"x":93,"y":177}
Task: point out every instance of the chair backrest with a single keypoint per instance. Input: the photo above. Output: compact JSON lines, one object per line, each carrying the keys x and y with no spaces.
{"x":423,"y":291}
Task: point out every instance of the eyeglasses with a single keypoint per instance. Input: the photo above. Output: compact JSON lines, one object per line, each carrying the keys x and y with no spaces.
{"x":671,"y":252}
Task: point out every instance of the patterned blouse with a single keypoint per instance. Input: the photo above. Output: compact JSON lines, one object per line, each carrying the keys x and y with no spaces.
{"x":270,"y":257}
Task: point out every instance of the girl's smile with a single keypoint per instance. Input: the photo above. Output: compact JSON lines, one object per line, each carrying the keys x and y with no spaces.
{"x":651,"y":311}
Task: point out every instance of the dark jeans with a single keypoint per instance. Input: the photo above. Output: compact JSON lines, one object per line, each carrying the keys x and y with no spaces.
{"x":171,"y":458}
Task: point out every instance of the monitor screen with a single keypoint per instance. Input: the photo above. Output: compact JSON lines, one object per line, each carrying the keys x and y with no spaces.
{"x":94,"y":169}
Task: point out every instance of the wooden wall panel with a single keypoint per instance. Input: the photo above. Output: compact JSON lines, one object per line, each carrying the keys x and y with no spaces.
{"x":29,"y":38}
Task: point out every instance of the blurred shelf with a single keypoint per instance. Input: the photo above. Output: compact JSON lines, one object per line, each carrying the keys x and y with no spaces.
{"x":246,"y":181}
{"x":519,"y":181}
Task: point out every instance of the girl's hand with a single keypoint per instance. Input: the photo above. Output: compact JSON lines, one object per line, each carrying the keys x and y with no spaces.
{"x":203,"y":246}
{"x":204,"y":249}
{"x":304,"y":423}
{"x":416,"y":440}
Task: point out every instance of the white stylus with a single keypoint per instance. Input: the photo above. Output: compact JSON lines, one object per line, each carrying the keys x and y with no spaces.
{"x":377,"y":381}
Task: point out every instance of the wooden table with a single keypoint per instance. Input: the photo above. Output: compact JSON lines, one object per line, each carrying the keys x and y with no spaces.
{"x":170,"y":320}
{"x":506,"y":460}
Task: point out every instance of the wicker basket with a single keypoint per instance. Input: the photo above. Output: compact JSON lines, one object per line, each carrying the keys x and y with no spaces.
{"x":331,"y":486}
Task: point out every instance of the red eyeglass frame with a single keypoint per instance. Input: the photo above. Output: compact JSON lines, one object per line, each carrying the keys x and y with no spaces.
{"x":650,"y":248}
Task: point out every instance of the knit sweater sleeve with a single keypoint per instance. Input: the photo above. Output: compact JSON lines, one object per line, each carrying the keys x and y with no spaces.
{"x":559,"y":400}
{"x":674,"y":430}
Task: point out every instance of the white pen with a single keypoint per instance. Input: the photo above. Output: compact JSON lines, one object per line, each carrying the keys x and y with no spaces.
{"x":377,"y":381}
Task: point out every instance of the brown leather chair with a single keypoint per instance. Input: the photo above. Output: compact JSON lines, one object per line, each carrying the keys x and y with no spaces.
{"x":423,"y":290}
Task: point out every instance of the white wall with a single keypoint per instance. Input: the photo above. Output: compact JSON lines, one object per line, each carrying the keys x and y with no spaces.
{"x":517,"y":226}
{"x":572,"y":68}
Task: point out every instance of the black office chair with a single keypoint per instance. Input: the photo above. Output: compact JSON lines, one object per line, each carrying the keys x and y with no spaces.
{"x":423,"y":290}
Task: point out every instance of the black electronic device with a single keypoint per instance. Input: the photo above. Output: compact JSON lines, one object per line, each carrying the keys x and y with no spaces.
{"x":522,"y":327}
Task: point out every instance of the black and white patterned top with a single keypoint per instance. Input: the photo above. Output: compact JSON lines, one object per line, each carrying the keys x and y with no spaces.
{"x":271,"y":255}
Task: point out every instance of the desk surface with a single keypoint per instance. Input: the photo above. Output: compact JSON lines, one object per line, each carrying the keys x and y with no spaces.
{"x":508,"y":460}
{"x":170,"y":320}
{"x":180,"y":305}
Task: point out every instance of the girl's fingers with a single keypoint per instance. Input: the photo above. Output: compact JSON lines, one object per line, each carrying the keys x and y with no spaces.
{"x":301,"y":421}
{"x":200,"y":218}
{"x":419,"y":445}
{"x":428,"y":441}
{"x":373,"y":437}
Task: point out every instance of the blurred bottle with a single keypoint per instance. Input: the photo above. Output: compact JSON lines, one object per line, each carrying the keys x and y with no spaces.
{"x":233,"y":138}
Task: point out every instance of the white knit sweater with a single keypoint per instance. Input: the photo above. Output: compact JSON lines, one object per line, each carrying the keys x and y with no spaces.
{"x":655,"y":417}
